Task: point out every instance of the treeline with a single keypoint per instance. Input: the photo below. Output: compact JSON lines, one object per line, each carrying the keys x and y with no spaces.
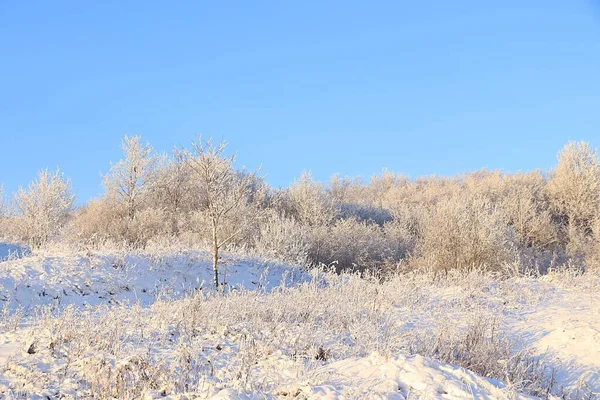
{"x":485,"y":219}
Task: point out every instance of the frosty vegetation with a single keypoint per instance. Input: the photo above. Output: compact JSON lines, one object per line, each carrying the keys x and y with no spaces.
{"x":487,"y":219}
{"x":392,"y":268}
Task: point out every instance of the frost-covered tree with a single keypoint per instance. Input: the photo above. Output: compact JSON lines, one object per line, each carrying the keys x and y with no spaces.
{"x":574,"y":188}
{"x":465,"y":232}
{"x":2,"y":202}
{"x":2,"y":211}
{"x":310,"y":203}
{"x":43,"y":208}
{"x":525,"y":202}
{"x":233,"y":199}
{"x":171,"y":191}
{"x":129,"y":181}
{"x":575,"y":183}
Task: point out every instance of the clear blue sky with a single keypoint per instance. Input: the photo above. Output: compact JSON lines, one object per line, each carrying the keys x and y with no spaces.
{"x":331,"y":86}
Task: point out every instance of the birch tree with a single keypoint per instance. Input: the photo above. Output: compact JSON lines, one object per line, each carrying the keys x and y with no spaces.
{"x":129,"y":180}
{"x":232,"y":200}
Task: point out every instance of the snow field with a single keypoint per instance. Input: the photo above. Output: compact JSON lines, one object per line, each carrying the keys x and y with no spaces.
{"x":124,"y":325}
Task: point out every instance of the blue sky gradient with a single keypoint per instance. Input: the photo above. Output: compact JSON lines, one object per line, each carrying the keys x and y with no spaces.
{"x":346,"y":87}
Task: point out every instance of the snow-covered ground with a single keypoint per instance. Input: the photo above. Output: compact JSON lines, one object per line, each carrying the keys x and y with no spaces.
{"x":119,"y":325}
{"x":11,"y":251}
{"x":565,"y":329}
{"x":92,"y":279}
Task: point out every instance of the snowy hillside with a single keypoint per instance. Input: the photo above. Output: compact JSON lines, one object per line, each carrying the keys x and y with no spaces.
{"x":125,"y":325}
{"x":121,"y":278}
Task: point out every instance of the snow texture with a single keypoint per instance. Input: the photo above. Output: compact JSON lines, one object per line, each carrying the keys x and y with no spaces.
{"x":557,"y":320}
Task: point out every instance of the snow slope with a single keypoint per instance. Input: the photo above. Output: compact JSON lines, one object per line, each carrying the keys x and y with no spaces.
{"x":11,"y":251}
{"x":123,"y":316}
{"x":565,"y":329}
{"x":396,"y":378}
{"x":401,"y":377}
{"x":118,"y":278}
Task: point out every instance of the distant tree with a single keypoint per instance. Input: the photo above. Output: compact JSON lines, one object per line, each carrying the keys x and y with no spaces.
{"x":43,"y":208}
{"x":233,"y":198}
{"x":525,"y":203}
{"x":2,"y":202}
{"x":574,"y":188}
{"x":171,"y":190}
{"x":465,"y":232}
{"x":129,"y":180}
{"x":2,"y":211}
{"x":310,"y":203}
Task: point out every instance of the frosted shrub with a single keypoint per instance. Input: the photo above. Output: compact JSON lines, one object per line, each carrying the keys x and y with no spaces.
{"x":43,"y":208}
{"x":130,"y":180}
{"x":592,"y":248}
{"x":526,"y":205}
{"x":251,"y":340}
{"x":367,"y":214}
{"x":422,"y":192}
{"x":574,"y":184}
{"x":309,"y":203}
{"x":465,"y":233}
{"x":284,"y":238}
{"x":175,"y":191}
{"x":381,"y":186}
{"x":480,"y":347}
{"x":147,"y":224}
{"x":2,"y":213}
{"x":97,"y":222}
{"x":352,"y":244}
{"x":401,"y":236}
{"x":574,"y":189}
{"x":102,"y":221}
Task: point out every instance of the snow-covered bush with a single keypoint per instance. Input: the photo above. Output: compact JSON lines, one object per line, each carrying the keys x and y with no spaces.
{"x":102,"y":222}
{"x":574,"y":189}
{"x":269,"y":343}
{"x":2,"y":213}
{"x":284,"y":238}
{"x":437,"y":222}
{"x":465,"y":233}
{"x":175,"y":191}
{"x":43,"y":208}
{"x":129,"y":181}
{"x":97,"y":222}
{"x":574,"y":184}
{"x":368,"y":214}
{"x":526,"y":204}
{"x":592,"y":247}
{"x":308,"y":202}
{"x":352,"y":244}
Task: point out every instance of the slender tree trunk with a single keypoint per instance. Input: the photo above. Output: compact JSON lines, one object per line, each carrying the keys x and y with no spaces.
{"x":215,"y":251}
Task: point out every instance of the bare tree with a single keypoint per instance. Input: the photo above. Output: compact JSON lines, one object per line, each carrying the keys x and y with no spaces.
{"x":2,"y":210}
{"x":172,"y":189}
{"x":44,"y":207}
{"x":465,"y":232}
{"x":311,"y":204}
{"x":574,"y":188}
{"x":129,"y":180}
{"x":2,"y":202}
{"x":233,"y":198}
{"x":525,"y":202}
